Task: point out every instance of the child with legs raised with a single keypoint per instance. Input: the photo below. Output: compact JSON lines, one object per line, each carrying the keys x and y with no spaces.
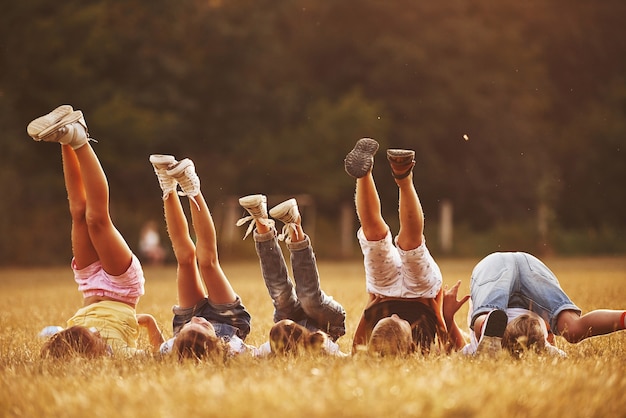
{"x":307,"y":320}
{"x":108,"y":274}
{"x":210,"y":320}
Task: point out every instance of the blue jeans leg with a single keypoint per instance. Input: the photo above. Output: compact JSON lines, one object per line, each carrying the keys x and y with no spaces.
{"x":326,"y":312}
{"x":274,"y":271}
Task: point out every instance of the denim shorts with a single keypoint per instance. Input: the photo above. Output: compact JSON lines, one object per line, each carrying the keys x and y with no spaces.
{"x":517,"y":280}
{"x":228,"y":319}
{"x":391,"y":271}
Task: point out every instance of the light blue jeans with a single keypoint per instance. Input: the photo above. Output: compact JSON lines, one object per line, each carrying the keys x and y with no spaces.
{"x":305,"y":303}
{"x":517,"y":280}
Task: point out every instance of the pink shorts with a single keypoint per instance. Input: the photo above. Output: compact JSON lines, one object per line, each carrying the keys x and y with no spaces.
{"x":94,"y":281}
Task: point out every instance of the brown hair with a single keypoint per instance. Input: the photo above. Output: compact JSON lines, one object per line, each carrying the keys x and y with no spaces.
{"x":523,"y":334}
{"x":389,"y":338}
{"x":192,"y":344}
{"x":75,"y":341}
{"x":288,"y":337}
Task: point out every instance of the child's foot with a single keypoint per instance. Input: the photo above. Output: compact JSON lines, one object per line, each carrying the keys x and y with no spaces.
{"x":161,"y":163}
{"x":401,"y":161}
{"x":184,"y":172}
{"x":62,"y":125}
{"x":360,"y":160}
{"x":256,"y":205}
{"x":288,"y":213}
{"x":44,"y":122}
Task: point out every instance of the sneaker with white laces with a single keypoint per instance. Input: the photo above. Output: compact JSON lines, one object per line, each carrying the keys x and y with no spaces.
{"x":360,"y":160}
{"x":184,"y":172}
{"x":256,"y":205}
{"x":288,"y":213}
{"x":67,"y":129}
{"x":490,"y":343}
{"x":161,"y":163}
{"x":44,"y":122}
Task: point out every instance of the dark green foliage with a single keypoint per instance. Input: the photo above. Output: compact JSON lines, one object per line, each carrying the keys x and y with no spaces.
{"x":268,"y":96}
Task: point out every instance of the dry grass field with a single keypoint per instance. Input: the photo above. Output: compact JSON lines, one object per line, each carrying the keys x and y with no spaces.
{"x":591,"y":382}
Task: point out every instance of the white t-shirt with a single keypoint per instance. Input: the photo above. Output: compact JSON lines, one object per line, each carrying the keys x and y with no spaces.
{"x":512,"y":313}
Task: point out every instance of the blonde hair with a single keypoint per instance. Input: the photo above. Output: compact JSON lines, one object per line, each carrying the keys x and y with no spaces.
{"x":524,"y":333}
{"x":389,"y":338}
{"x":196,"y":345}
{"x":290,"y":338}
{"x":75,"y":341}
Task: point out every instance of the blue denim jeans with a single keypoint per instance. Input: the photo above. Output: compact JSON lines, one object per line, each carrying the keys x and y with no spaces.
{"x":517,"y":280}
{"x":305,"y":303}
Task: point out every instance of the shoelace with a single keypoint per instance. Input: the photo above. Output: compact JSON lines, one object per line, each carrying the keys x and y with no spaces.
{"x":252,"y":218}
{"x":167,"y":183}
{"x":190,"y":185}
{"x":285,"y":231}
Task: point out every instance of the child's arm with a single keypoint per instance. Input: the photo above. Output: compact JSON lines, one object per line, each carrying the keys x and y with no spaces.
{"x":450,"y":307}
{"x":154,"y":333}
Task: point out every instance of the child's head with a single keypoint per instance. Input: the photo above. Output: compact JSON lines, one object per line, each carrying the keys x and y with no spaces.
{"x":524,"y":333}
{"x":288,"y":337}
{"x":75,"y":341}
{"x":392,"y":336}
{"x":197,"y":340}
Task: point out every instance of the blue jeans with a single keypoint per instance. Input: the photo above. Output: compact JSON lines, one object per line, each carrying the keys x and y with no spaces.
{"x":517,"y":280}
{"x":305,"y":303}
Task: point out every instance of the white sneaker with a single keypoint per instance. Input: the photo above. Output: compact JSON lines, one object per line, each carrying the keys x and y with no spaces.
{"x":161,"y":163}
{"x":288,"y":213}
{"x":65,"y":128}
{"x":256,"y":205}
{"x":44,"y":122}
{"x":184,"y":172}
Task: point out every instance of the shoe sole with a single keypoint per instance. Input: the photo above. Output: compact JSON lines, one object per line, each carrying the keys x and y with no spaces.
{"x":38,"y":125}
{"x":161,"y":160}
{"x":496,"y":324}
{"x":71,"y":117}
{"x":360,"y":160}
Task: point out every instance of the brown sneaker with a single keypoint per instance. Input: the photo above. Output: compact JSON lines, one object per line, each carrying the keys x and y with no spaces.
{"x":402,"y":162}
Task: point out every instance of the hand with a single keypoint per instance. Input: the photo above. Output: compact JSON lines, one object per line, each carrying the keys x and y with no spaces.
{"x":451,"y":304}
{"x":145,"y":320}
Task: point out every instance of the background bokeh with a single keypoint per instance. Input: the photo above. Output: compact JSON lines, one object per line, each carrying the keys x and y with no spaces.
{"x":268,"y":96}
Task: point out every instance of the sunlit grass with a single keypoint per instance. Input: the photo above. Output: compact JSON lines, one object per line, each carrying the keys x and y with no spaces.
{"x":591,"y":382}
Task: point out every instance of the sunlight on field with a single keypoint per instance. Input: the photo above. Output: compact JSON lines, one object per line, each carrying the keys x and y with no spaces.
{"x":590,"y":382}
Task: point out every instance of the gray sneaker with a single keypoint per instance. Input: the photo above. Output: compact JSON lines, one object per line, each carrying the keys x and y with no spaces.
{"x":288,"y":213}
{"x":360,"y":160}
{"x":256,"y":205}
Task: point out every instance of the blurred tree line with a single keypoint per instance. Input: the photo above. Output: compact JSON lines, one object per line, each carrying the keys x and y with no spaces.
{"x":516,"y":110}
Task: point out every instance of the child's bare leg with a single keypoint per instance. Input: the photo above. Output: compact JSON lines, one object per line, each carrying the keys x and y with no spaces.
{"x":411,"y":231}
{"x":112,"y":249}
{"x":190,"y":290}
{"x":368,"y":209}
{"x":218,"y":287}
{"x":411,"y":215}
{"x":599,"y":322}
{"x":217,"y":284}
{"x":82,"y":248}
